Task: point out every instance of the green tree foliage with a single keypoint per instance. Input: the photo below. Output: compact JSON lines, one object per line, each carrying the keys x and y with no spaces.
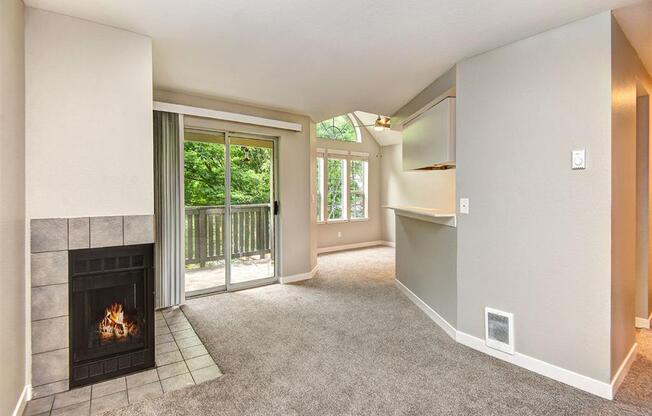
{"x":335,"y":186}
{"x":356,"y":197}
{"x":204,"y":179}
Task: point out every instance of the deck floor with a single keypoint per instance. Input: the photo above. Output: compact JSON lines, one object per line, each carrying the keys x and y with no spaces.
{"x":243,"y":269}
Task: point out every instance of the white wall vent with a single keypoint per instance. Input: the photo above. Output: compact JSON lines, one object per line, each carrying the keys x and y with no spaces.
{"x":499,"y":330}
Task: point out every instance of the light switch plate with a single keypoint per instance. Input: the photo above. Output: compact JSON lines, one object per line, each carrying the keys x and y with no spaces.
{"x":578,"y":159}
{"x":464,"y":205}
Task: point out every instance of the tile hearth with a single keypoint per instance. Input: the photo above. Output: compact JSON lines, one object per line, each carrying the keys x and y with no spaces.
{"x":181,"y":361}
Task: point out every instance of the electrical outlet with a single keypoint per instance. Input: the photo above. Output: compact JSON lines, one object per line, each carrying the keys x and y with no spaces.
{"x":464,"y":205}
{"x":339,"y":234}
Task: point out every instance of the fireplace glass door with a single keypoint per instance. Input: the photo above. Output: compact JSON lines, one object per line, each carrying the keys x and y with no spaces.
{"x":111,"y":318}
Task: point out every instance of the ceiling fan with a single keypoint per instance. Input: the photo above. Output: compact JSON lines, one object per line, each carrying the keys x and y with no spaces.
{"x":380,"y":124}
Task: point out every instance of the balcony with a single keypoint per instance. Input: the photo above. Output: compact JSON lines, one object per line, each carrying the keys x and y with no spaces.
{"x":251,"y":245}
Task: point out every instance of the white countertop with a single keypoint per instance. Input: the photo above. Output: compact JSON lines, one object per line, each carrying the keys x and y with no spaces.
{"x":437,"y":216}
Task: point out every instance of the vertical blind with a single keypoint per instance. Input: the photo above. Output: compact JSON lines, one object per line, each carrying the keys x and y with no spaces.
{"x":168,"y":209}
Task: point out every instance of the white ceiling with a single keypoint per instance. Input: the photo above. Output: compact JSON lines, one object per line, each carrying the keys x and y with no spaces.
{"x":321,"y":57}
{"x":636,"y":22}
{"x":386,"y":137}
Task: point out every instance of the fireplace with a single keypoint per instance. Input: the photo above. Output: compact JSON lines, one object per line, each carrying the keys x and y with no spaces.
{"x":111,"y":312}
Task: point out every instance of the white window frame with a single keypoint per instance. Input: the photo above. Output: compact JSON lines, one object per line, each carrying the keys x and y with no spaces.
{"x":320,"y":163}
{"x":325,"y":155}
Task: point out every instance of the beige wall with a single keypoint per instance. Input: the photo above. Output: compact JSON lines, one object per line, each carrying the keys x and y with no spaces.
{"x":431,"y":189}
{"x":89,"y":118}
{"x":627,"y":74}
{"x":12,"y":204}
{"x":356,"y":231}
{"x":294,"y":157}
{"x":643,"y":291}
{"x":537,"y":240}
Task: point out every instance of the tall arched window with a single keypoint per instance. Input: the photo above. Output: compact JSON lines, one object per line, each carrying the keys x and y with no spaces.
{"x":344,"y":128}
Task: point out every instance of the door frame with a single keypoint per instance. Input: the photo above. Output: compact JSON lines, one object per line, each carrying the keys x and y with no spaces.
{"x":275,"y":252}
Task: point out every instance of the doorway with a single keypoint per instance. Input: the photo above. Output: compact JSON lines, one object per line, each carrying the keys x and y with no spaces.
{"x":230,"y":211}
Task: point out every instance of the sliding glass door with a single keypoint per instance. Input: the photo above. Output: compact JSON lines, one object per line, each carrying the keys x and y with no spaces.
{"x":251,"y":209}
{"x":229,"y":182}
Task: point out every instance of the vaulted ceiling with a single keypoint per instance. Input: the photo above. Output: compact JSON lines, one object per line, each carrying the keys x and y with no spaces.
{"x":321,"y":57}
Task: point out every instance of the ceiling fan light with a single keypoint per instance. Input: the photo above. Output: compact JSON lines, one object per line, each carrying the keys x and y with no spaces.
{"x":379,"y":125}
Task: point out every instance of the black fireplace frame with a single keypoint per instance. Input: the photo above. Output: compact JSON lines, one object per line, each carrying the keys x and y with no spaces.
{"x":93,"y":370}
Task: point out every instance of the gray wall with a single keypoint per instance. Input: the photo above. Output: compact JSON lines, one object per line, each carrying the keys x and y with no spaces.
{"x":297,"y":254}
{"x":12,"y":203}
{"x":422,"y":188}
{"x":356,"y":231}
{"x":426,"y":264}
{"x":537,"y":239}
{"x":627,"y":73}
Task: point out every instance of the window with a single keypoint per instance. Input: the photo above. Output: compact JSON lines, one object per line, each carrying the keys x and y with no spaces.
{"x":342,"y":186}
{"x":343,"y":128}
{"x":358,"y":189}
{"x":336,"y":198}
{"x":320,"y":189}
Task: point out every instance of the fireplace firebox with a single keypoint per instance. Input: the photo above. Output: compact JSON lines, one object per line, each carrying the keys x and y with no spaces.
{"x":111,"y":312}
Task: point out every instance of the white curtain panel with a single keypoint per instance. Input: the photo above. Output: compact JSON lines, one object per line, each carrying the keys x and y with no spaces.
{"x":168,"y":209}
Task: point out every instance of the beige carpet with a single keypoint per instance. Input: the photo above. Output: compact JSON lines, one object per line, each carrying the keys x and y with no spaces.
{"x":348,"y":342}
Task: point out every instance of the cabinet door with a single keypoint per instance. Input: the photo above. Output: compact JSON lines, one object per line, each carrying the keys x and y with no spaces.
{"x":429,"y":139}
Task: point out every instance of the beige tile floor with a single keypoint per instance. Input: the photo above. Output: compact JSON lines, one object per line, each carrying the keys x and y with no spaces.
{"x":181,"y":361}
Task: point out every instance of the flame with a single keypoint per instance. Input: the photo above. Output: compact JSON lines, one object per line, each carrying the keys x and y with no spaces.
{"x":114,"y":325}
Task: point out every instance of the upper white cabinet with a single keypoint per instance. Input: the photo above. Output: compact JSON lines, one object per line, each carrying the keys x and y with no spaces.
{"x":429,"y":138}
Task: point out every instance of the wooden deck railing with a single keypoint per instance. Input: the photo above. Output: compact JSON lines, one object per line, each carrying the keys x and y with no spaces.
{"x":204,"y":232}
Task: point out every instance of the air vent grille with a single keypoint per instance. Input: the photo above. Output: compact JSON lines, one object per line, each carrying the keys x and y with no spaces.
{"x":499,"y":330}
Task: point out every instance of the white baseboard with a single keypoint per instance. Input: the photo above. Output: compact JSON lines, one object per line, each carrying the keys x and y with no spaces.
{"x":582,"y":382}
{"x":439,"y":320}
{"x":344,"y":247}
{"x":643,"y":322}
{"x":22,"y":400}
{"x":623,"y":370}
{"x":299,"y":277}
{"x":389,"y":243}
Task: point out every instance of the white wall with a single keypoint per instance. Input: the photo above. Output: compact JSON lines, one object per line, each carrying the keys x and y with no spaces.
{"x":297,"y":252}
{"x":12,"y":204}
{"x":89,"y":118}
{"x":537,"y":241}
{"x":430,"y":189}
{"x":356,"y":231}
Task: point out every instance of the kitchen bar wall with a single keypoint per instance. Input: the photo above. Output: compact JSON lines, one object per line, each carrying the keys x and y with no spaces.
{"x":422,"y":188}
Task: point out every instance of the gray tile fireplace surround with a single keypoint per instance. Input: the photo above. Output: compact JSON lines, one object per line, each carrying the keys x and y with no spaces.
{"x":50,"y":241}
